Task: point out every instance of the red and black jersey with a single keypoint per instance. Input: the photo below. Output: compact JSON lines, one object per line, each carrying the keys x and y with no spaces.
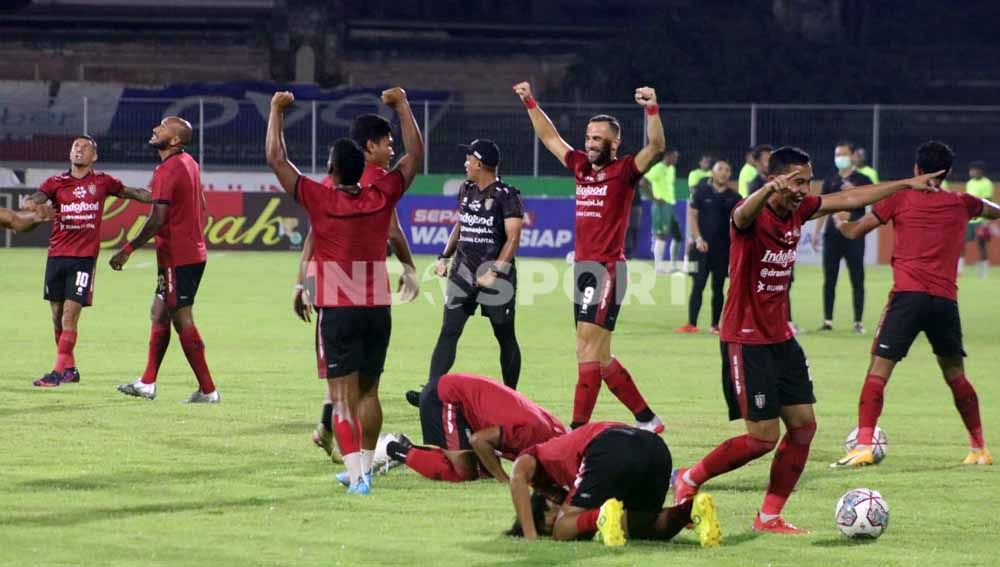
{"x":181,"y":239}
{"x":559,"y":458}
{"x":80,"y":204}
{"x":603,"y":203}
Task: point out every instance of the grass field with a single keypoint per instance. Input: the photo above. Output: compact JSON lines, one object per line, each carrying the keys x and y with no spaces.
{"x":90,"y":477}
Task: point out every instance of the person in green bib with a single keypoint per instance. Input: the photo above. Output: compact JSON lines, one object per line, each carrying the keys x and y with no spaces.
{"x":747,"y":174}
{"x":980,"y":186}
{"x":659,"y":183}
{"x":703,"y":171}
{"x":860,"y":161}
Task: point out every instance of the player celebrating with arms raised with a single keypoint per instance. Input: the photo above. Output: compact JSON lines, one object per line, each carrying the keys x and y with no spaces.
{"x":605,"y":185}
{"x":924,"y":297}
{"x":350,"y":226}
{"x":765,"y":374}
{"x":74,"y":244}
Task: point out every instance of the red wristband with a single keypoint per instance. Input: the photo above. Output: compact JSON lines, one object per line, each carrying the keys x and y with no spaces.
{"x":652,"y":110}
{"x":530,"y":103}
{"x":128,"y":249}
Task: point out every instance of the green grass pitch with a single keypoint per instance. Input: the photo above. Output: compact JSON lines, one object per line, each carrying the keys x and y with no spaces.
{"x":90,"y":477}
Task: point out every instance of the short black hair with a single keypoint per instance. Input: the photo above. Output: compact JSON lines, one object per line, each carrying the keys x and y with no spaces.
{"x":786,"y":157}
{"x":978,"y":164}
{"x":90,"y":139}
{"x":759,"y":149}
{"x":347,"y":159}
{"x":369,"y":128}
{"x":539,"y":505}
{"x":935,"y":156}
{"x":849,"y":144}
{"x":721,"y":160}
{"x":616,"y":127}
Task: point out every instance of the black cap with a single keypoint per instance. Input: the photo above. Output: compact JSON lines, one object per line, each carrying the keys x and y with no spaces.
{"x":485,"y":151}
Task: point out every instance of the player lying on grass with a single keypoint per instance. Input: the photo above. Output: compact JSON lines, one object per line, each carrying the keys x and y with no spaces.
{"x":929,"y":240}
{"x":470,"y":420}
{"x":608,"y":478}
{"x":23,"y":221}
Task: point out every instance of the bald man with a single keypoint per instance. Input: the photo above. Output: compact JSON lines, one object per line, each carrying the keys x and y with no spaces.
{"x":177,"y":220}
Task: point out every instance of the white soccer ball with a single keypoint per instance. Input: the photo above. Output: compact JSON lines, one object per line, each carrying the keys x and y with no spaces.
{"x":862,"y":513}
{"x":880,"y":443}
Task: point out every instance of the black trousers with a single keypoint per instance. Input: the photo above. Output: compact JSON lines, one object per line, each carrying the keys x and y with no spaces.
{"x":716,"y":266}
{"x":835,"y":249}
{"x":451,"y":331}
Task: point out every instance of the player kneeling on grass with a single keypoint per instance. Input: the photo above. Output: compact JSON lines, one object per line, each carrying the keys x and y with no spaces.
{"x":605,"y":478}
{"x":467,"y":417}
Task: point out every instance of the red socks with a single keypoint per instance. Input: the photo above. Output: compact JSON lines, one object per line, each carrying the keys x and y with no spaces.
{"x":159,"y":339}
{"x":870,"y":407}
{"x":57,"y":333}
{"x":731,"y":454}
{"x":789,"y":462}
{"x":586,"y":522}
{"x":348,"y":433}
{"x":588,"y":386}
{"x":433,"y":464}
{"x":194,"y":350}
{"x":967,"y":404}
{"x":620,"y":383}
{"x":64,"y":351}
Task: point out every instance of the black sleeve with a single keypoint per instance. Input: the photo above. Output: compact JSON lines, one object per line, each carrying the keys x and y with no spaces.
{"x":510,"y":202}
{"x":695,"y":202}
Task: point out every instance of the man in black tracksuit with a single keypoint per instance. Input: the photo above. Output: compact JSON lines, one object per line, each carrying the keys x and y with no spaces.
{"x":836,"y":246}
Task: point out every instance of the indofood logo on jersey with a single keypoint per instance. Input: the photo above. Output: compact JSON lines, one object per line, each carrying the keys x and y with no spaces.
{"x":79,"y":207}
{"x":783,"y":258}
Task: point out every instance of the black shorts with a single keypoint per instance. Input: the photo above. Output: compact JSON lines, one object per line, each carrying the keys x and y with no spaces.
{"x":910,"y":312}
{"x":178,"y":285}
{"x":353,"y":339}
{"x":759,"y":380}
{"x":497,"y":302}
{"x":626,"y":463}
{"x":600,"y":290}
{"x":443,"y":425}
{"x":69,"y":277}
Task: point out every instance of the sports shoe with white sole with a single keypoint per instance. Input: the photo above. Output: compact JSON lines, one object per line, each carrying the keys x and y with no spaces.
{"x":199,"y":398}
{"x":139,"y":389}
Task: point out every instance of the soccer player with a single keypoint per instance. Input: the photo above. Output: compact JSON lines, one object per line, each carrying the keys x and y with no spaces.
{"x":836,"y":247}
{"x":483,"y":275}
{"x":350,"y":225}
{"x":703,"y":171}
{"x":604,"y":477}
{"x":605,"y":185}
{"x":472,"y":420}
{"x":177,"y":219}
{"x":765,"y":374}
{"x":373,"y":134}
{"x":74,"y":244}
{"x":924,"y":297}
{"x":709,"y":210}
{"x":659,"y":183}
{"x":978,"y":186}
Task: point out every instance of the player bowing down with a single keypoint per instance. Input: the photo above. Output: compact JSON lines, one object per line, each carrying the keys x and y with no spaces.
{"x":765,"y":375}
{"x":604,"y":477}
{"x":467,"y":417}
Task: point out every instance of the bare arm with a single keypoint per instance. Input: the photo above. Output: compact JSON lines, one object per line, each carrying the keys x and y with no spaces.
{"x":543,"y":126}
{"x":520,"y":493}
{"x":413,"y":143}
{"x":441,"y":267}
{"x":35,"y":199}
{"x":750,"y":208}
{"x":157,"y":218}
{"x":512,"y":227}
{"x":277,"y":154}
{"x":137,"y":194}
{"x":847,"y":200}
{"x":485,"y":443}
{"x":400,"y":246}
{"x":301,"y":303}
{"x":856,"y":229}
{"x":656,"y":141}
{"x":24,"y":221}
{"x":818,"y":232}
{"x":990,"y":210}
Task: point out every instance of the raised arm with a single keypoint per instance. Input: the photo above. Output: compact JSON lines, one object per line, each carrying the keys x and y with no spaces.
{"x":413,"y":143}
{"x":485,"y":443}
{"x":277,"y":154}
{"x":520,"y":493}
{"x":656,"y":141}
{"x":855,"y":229}
{"x":750,"y":208}
{"x":544,"y":128}
{"x":157,"y":218}
{"x":137,"y":194}
{"x":847,"y":200}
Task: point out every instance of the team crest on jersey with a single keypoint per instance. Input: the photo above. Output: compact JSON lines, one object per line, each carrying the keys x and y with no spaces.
{"x":79,"y":193}
{"x":759,"y":400}
{"x":92,"y":189}
{"x":488,"y":204}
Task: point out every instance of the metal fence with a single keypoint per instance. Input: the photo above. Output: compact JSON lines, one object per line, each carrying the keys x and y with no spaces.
{"x":230,"y":133}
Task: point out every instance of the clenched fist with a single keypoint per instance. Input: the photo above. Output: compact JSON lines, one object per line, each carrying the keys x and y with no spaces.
{"x":282,"y":100}
{"x":523,"y":90}
{"x":394,"y":97}
{"x":645,"y":96}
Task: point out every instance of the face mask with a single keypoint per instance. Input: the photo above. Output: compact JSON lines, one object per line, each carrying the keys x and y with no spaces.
{"x":842,"y":162}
